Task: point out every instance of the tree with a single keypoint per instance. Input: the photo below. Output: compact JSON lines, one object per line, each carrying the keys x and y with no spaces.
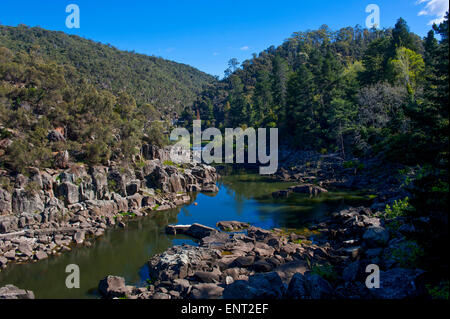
{"x":407,"y":68}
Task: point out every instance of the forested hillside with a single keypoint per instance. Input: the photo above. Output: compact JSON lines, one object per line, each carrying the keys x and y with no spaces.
{"x":165,"y":84}
{"x":354,"y":91}
{"x":97,"y":102}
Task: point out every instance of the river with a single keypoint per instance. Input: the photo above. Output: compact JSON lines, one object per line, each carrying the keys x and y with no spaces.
{"x":125,"y":251}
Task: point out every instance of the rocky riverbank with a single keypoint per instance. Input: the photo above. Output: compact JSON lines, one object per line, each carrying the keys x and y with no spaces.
{"x":331,"y":171}
{"x":45,"y":212}
{"x":327,"y":261}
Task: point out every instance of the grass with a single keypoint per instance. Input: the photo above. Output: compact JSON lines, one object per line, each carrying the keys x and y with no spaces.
{"x":303,"y":241}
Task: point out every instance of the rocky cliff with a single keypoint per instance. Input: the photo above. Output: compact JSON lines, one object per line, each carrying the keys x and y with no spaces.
{"x":44,"y":211}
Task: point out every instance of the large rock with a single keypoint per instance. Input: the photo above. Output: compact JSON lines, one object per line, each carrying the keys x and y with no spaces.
{"x":376,"y":236}
{"x":5,"y":202}
{"x":70,"y":192}
{"x":309,"y":286}
{"x":232,"y":225}
{"x":398,"y":283}
{"x":26,"y":202}
{"x":206,"y":291}
{"x":259,"y":286}
{"x":100,"y":180}
{"x":12,"y":292}
{"x":317,"y":287}
{"x":112,"y":286}
{"x":199,"y":231}
{"x":296,"y":288}
{"x":179,"y":262}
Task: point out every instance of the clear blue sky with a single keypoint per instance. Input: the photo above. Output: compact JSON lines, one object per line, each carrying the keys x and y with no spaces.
{"x":207,"y":33}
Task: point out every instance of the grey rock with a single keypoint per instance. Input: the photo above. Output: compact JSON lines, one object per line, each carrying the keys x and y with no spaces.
{"x":5,"y":202}
{"x":317,"y":287}
{"x":112,"y":286}
{"x":296,"y":288}
{"x":232,"y":225}
{"x":351,"y":271}
{"x":206,"y":291}
{"x":12,"y":292}
{"x":376,"y":236}
{"x":397,"y":283}
{"x":70,"y":192}
{"x":260,"y":286}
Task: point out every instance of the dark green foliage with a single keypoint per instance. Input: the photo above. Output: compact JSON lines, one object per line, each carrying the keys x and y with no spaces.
{"x":167,"y":85}
{"x":354,"y":91}
{"x":106,"y":102}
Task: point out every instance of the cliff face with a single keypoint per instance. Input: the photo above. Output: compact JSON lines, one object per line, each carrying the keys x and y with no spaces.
{"x":48,"y":209}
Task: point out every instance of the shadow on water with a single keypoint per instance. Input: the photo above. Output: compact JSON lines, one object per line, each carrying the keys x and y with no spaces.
{"x":124,"y":252}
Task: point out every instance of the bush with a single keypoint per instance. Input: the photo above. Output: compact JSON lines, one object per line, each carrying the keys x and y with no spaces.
{"x":399,"y":208}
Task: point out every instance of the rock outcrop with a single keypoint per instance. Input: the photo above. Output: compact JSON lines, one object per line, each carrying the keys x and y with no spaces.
{"x":12,"y":292}
{"x":52,"y":209}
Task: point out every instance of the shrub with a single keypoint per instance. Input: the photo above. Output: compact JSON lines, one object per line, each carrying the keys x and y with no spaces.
{"x":399,"y":208}
{"x":439,"y":291}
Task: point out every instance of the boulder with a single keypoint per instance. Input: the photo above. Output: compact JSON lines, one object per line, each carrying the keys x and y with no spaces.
{"x":376,"y":236}
{"x":206,"y":291}
{"x":5,"y":202}
{"x":3,"y":261}
{"x":232,"y":225}
{"x":296,"y":288}
{"x":100,"y":180}
{"x":12,"y":292}
{"x":207,"y":276}
{"x":79,"y":237}
{"x":26,"y":202}
{"x":70,"y":192}
{"x":199,"y":231}
{"x":113,"y":286}
{"x":260,"y":286}
{"x":40,"y":255}
{"x":317,"y":287}
{"x":398,"y":283}
{"x":351,"y":271}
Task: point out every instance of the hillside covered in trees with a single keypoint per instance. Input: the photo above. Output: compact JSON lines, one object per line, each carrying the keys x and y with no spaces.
{"x":104,"y":102}
{"x":353,"y":91}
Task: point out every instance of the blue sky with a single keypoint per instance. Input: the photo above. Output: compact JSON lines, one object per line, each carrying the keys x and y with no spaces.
{"x":207,"y":33}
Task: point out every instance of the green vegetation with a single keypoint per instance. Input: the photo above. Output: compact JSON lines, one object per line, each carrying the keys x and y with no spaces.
{"x":326,"y":271}
{"x":354,"y":91}
{"x":439,"y":291}
{"x":407,"y":254}
{"x":399,"y":208}
{"x":105,"y":103}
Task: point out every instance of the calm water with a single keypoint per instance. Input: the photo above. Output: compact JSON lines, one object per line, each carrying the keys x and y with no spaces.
{"x":124,"y":252}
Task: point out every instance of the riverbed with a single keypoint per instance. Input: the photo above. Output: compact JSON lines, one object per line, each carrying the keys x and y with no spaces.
{"x":125,"y":251}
